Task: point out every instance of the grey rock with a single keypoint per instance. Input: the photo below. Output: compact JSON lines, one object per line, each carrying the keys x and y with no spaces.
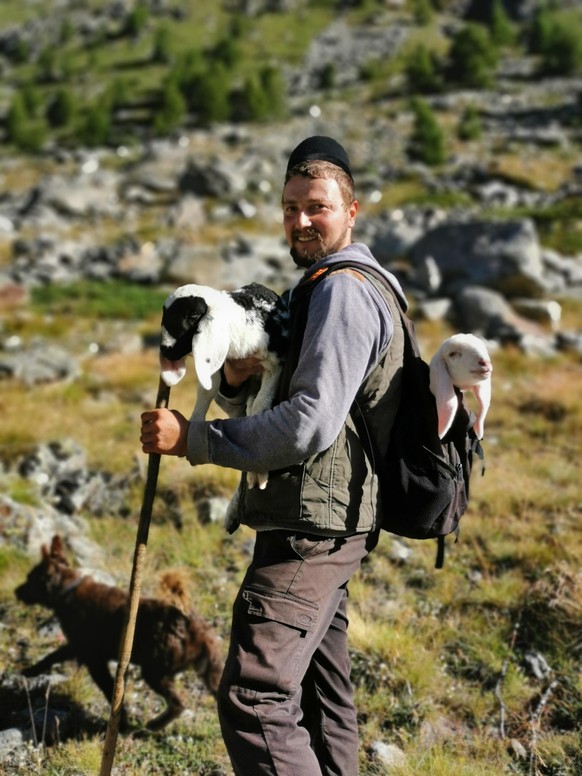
{"x":390,"y":755}
{"x":536,"y":664}
{"x":504,"y":256}
{"x":546,"y":311}
{"x":212,"y":510}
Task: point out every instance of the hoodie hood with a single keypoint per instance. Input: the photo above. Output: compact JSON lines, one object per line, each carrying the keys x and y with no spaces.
{"x":361,"y":254}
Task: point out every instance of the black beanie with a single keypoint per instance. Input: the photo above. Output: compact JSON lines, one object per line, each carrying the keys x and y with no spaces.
{"x":326,"y":149}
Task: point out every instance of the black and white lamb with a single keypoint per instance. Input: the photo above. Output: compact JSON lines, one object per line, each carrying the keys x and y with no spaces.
{"x":215,"y":325}
{"x":462,"y":361}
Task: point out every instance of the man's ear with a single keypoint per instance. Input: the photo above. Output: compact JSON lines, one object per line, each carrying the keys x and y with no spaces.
{"x":352,"y":212}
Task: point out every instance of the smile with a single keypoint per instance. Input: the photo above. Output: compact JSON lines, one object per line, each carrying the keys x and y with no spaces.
{"x":306,"y":237}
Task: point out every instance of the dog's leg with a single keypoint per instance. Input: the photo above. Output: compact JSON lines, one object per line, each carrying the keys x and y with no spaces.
{"x":100,"y":674}
{"x":60,"y":655}
{"x":164,"y":686}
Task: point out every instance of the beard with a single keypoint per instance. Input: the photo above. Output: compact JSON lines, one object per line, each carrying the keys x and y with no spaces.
{"x":304,"y":260}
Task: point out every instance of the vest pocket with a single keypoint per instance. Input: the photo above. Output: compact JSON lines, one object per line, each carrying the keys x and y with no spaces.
{"x":279,"y":501}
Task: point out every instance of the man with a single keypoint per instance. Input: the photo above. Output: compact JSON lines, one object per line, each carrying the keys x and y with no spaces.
{"x":286,"y":702}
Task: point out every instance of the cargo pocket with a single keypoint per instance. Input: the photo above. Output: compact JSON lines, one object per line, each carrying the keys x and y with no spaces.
{"x":285,"y":609}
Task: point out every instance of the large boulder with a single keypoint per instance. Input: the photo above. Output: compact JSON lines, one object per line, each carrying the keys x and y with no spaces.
{"x":504,"y":256}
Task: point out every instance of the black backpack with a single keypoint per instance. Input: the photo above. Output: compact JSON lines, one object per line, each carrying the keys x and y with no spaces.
{"x":424,"y":480}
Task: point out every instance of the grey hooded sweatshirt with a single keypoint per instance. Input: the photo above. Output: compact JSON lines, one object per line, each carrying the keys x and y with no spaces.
{"x":319,"y":481}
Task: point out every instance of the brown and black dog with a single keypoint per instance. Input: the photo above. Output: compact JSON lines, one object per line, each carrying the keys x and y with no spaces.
{"x":92,"y":616}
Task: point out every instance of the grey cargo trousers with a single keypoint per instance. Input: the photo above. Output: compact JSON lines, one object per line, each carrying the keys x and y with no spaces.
{"x":285,"y":701}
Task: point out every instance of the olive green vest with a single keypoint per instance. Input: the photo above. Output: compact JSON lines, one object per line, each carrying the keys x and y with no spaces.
{"x":334,"y":492}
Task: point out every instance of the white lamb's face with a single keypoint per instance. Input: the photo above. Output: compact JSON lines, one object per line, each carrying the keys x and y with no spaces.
{"x":466,"y":363}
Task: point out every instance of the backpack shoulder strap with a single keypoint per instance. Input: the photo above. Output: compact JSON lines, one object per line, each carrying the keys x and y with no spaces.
{"x":410,"y":342}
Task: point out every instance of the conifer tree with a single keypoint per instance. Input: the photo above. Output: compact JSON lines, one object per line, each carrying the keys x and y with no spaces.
{"x":500,"y":27}
{"x":472,"y":57}
{"x":427,"y":139}
{"x":422,"y":71}
{"x":95,"y":128}
{"x":172,"y":108}
{"x":61,"y":108}
{"x":469,"y":126}
{"x":275,"y":90}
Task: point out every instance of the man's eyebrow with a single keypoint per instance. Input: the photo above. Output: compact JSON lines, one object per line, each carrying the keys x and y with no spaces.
{"x":311,"y":200}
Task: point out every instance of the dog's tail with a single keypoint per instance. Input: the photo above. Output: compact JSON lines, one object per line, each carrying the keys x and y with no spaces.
{"x":173,"y":589}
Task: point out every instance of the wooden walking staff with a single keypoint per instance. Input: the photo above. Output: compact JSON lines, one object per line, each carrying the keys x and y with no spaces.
{"x":134,"y":595}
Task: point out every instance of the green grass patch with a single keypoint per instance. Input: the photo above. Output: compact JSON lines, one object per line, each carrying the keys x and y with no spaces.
{"x":115,"y":299}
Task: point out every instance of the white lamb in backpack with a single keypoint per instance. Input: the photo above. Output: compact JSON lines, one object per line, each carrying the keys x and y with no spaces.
{"x":215,"y":325}
{"x":462,"y":361}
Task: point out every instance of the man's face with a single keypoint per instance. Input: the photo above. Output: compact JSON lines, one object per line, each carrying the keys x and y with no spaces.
{"x":316,"y":220}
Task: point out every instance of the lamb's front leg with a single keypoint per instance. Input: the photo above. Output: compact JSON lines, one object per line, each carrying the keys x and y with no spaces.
{"x":204,"y":398}
{"x":259,"y":403}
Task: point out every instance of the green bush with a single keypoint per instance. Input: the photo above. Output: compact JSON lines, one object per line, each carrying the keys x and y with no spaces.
{"x":275,"y":90}
{"x":327,"y":76}
{"x":172,"y":109}
{"x":500,"y":27}
{"x":427,"y":139}
{"x":136,"y":21}
{"x":469,"y":126}
{"x":209,"y":95}
{"x":118,"y":93}
{"x":95,"y":129}
{"x":251,"y":104}
{"x":539,"y":30}
{"x":422,"y":71}
{"x":61,"y":109}
{"x":21,"y":131}
{"x":32,"y":99}
{"x":226,"y":52}
{"x":422,"y":11}
{"x":21,"y":52}
{"x":16,"y":118}
{"x":472,"y":57}
{"x":48,"y":65}
{"x":562,"y":49}
{"x":162,"y":51}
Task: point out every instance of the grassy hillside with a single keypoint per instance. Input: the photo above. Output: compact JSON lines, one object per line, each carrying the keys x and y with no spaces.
{"x":440,"y":658}
{"x":471,"y":670}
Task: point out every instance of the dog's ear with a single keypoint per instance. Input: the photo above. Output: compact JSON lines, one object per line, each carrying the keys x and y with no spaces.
{"x":57,"y":548}
{"x":210,"y":348}
{"x":172,"y":371}
{"x":443,"y":390}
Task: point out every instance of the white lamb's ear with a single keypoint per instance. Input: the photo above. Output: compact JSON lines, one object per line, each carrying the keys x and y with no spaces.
{"x":482,"y":393}
{"x":443,"y":390}
{"x":209,"y":348}
{"x":172,"y":371}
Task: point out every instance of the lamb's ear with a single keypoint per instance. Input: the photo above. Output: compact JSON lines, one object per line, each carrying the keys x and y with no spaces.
{"x":482,"y":392}
{"x":172,"y":371}
{"x":209,"y":348}
{"x":443,"y":390}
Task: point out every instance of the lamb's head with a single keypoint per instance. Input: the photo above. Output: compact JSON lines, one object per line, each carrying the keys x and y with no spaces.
{"x":190,"y":325}
{"x":467,"y":360}
{"x":462,"y":361}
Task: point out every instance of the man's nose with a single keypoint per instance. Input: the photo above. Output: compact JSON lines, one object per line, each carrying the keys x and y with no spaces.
{"x":303,"y":219}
